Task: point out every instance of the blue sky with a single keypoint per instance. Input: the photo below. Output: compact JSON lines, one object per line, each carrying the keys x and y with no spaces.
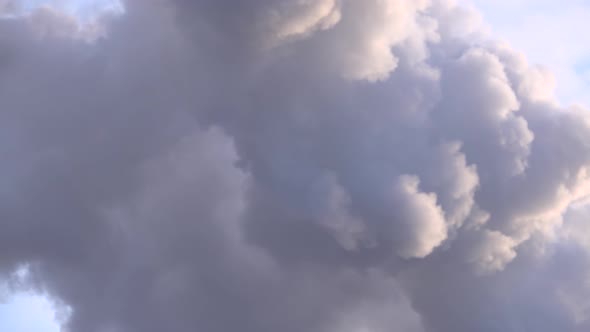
{"x":27,"y":313}
{"x":82,"y":8}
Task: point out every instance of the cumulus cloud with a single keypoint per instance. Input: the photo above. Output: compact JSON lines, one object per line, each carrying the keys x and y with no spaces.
{"x":290,"y":165}
{"x":521,"y":21}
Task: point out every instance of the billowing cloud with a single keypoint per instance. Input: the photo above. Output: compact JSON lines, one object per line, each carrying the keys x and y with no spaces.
{"x":289,"y":165}
{"x":520,"y":21}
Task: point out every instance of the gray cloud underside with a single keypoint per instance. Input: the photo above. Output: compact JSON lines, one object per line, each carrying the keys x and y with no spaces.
{"x":263,"y":166}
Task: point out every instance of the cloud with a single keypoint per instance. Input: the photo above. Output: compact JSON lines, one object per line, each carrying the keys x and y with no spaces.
{"x":533,"y":25}
{"x":8,"y":7}
{"x":289,"y":165}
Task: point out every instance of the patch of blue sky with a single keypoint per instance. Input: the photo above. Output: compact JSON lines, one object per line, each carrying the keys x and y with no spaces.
{"x":90,"y":8}
{"x":26,"y":312}
{"x":83,"y":9}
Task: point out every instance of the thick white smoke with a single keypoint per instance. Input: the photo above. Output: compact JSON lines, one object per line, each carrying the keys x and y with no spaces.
{"x":292,"y":165}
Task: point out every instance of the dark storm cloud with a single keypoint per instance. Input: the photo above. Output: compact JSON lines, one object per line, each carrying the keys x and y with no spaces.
{"x":289,"y":166}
